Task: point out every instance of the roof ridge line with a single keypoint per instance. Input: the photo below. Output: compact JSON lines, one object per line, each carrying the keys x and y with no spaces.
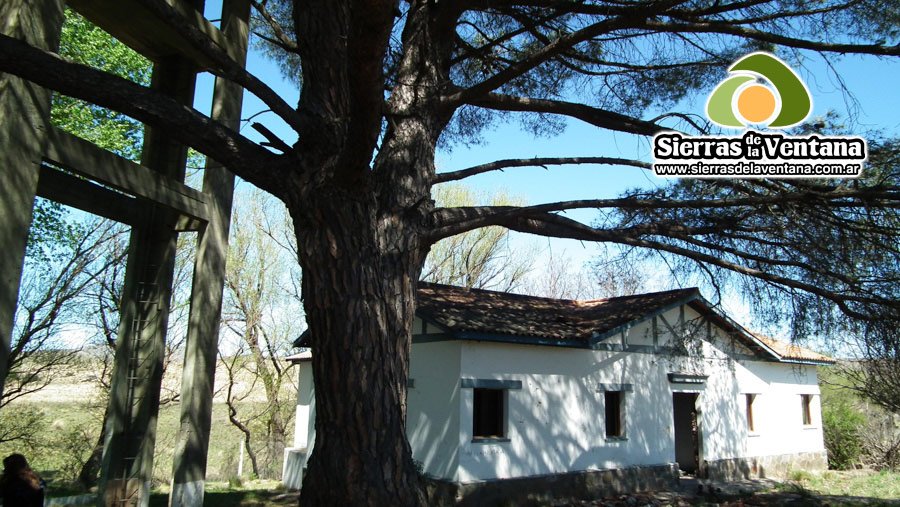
{"x":528,"y":296}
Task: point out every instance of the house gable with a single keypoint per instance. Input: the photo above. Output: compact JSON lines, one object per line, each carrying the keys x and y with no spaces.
{"x":614,"y":324}
{"x":634,"y":323}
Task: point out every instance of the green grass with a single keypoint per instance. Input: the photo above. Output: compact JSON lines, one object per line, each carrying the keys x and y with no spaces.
{"x":69,"y":430}
{"x":882,"y":485}
{"x":251,"y":494}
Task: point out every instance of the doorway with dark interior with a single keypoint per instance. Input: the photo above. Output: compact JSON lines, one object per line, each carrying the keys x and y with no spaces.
{"x":687,"y":432}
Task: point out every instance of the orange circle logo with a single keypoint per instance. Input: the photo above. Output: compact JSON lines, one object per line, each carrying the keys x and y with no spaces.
{"x":756,"y":103}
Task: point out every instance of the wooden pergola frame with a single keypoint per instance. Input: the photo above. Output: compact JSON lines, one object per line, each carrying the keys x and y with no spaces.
{"x":37,"y":159}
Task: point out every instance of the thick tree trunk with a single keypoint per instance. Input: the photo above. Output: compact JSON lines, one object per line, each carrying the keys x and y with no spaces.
{"x":360,"y":268}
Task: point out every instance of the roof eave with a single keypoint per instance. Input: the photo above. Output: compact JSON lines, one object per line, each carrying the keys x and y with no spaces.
{"x":741,"y":330}
{"x":631,"y":323}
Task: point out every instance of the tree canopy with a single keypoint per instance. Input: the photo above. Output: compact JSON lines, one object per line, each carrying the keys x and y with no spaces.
{"x":384,"y":83}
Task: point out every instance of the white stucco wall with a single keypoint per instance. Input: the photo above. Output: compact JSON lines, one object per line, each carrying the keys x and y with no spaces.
{"x":296,"y":456}
{"x":555,"y":422}
{"x":778,"y":413}
{"x":432,"y":415}
{"x":303,"y":419}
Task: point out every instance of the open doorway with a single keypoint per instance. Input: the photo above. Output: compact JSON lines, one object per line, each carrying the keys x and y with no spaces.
{"x":687,"y":438}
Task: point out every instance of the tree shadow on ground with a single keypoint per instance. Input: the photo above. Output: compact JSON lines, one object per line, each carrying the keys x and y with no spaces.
{"x":242,"y":498}
{"x":746,"y":493}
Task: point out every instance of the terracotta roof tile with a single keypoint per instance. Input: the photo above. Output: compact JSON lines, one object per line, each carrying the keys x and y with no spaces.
{"x":792,"y":351}
{"x":470,"y":313}
{"x":482,"y":311}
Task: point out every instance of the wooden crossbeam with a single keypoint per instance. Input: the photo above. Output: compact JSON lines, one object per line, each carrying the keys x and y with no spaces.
{"x":88,"y":160}
{"x":86,"y":195}
{"x":133,"y":24}
{"x":82,"y":194}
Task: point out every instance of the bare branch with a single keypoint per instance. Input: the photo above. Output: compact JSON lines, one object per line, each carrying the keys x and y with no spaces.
{"x":227,"y":67}
{"x":499,"y":165}
{"x":592,"y":115}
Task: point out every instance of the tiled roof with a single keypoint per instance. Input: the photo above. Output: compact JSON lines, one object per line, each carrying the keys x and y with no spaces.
{"x":791,"y":351}
{"x":476,"y":314}
{"x":481,"y":311}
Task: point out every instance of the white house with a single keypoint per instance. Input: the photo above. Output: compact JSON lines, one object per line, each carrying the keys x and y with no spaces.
{"x":516,"y":396}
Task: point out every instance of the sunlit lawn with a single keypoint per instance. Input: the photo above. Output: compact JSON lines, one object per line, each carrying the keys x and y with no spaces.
{"x":854,"y":483}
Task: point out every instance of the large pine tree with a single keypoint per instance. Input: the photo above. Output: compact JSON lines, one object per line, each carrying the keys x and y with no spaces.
{"x":384,"y":82}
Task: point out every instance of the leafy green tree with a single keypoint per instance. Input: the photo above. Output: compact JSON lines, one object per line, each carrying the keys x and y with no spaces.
{"x":384,"y":83}
{"x":87,"y":44}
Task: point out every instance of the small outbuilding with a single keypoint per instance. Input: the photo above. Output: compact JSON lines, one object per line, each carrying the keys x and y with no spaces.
{"x":518,"y":397}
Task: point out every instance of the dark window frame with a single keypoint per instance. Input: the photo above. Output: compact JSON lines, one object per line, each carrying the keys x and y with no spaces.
{"x":614,"y":414}
{"x":750,"y":399}
{"x":806,"y":409}
{"x":489,"y":414}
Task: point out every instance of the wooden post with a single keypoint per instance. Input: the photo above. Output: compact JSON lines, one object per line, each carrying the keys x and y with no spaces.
{"x":127,"y":464}
{"x":197,"y":380}
{"x":24,"y":121}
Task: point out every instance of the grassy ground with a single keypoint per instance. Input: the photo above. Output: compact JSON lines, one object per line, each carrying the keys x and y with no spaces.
{"x":836,"y":489}
{"x":67,"y":432}
{"x":248,"y":494}
{"x":854,"y":484}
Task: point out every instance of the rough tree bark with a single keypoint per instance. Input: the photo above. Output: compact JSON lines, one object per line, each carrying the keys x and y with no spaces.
{"x":362,"y":241}
{"x":364,"y":226}
{"x":359,"y":295}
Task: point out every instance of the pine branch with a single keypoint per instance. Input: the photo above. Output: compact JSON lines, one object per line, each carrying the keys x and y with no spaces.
{"x":762,"y":36}
{"x":562,"y":227}
{"x":227,"y":67}
{"x":592,"y":115}
{"x":282,"y":39}
{"x":500,"y":165}
{"x":556,"y":47}
{"x":452,"y":221}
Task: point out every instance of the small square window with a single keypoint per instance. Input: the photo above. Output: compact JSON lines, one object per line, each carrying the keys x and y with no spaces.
{"x":750,"y":399}
{"x":615,"y":421}
{"x":805,"y":401}
{"x":489,"y":419}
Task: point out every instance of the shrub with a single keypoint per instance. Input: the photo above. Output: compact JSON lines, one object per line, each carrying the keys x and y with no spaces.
{"x":73,"y":448}
{"x":883,"y":448}
{"x":799,"y":475}
{"x":842,"y":425}
{"x":20,"y":427}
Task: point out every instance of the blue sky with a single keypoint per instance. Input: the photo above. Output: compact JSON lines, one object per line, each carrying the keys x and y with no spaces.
{"x":871,"y":81}
{"x":871,"y":100}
